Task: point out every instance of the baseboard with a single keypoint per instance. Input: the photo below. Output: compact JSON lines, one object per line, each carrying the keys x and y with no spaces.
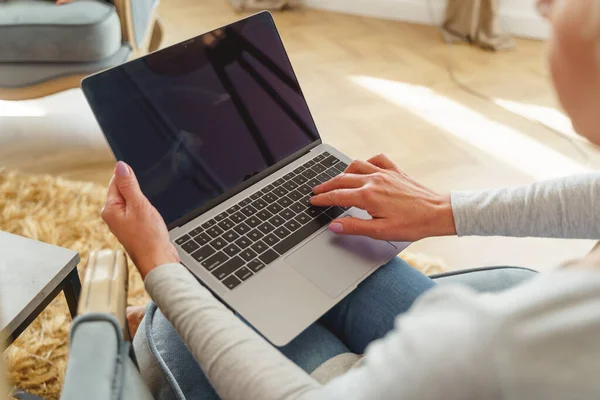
{"x":519,"y":21}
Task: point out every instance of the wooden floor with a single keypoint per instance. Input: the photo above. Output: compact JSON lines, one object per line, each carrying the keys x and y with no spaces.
{"x":373,"y":86}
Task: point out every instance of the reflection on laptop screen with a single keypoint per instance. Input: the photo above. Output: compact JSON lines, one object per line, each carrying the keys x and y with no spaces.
{"x":197,"y":119}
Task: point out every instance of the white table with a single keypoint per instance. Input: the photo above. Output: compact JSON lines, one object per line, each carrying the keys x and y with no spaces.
{"x":32,"y":274}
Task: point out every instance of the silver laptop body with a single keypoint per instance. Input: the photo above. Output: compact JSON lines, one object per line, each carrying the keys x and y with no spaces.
{"x":258,"y":245}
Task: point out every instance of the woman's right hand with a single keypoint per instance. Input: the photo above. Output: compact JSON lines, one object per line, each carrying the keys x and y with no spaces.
{"x":402,"y":209}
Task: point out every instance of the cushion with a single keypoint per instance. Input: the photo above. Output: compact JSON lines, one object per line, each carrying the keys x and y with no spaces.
{"x":41,"y":31}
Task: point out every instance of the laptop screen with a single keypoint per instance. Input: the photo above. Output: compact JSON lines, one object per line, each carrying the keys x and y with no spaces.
{"x":198,"y":119}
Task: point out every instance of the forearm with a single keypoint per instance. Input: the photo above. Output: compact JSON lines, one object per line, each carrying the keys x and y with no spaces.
{"x":560,"y":208}
{"x":237,"y":361}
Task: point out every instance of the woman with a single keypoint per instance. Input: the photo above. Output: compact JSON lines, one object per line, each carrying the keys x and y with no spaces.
{"x":537,"y":341}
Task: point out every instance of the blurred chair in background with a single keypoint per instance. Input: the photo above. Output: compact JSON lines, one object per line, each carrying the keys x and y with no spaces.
{"x":46,"y":48}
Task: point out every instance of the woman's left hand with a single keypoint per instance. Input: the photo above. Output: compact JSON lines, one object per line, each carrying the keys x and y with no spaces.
{"x":136,"y":223}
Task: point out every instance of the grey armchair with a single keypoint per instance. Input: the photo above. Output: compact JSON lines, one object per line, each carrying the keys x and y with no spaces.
{"x":100,"y":366}
{"x":45,"y":48}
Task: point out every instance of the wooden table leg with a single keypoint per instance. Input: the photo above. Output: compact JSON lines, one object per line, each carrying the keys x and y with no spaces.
{"x":72,"y":290}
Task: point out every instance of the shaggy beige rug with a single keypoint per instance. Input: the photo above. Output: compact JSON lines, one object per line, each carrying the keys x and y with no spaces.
{"x":67,"y":214}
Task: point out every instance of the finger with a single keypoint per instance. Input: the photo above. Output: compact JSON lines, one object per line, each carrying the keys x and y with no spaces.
{"x":338,"y":197}
{"x":361,"y":167}
{"x":343,"y":181}
{"x":127,"y":183}
{"x":374,"y":228}
{"x":382,"y":161}
{"x":114,"y":196}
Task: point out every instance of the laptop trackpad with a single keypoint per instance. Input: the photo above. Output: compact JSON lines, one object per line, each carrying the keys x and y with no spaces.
{"x":334,"y":263}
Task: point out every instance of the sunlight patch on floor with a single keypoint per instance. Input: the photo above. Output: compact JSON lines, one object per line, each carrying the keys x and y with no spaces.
{"x":500,"y":141}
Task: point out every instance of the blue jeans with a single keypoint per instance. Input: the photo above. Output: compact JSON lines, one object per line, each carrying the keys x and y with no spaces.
{"x":367,"y":314}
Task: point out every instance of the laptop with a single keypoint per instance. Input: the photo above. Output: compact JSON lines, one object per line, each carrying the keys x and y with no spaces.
{"x":224,"y":146}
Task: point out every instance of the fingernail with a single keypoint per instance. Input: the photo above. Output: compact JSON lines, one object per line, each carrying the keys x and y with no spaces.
{"x":315,"y":189}
{"x":336,"y":227}
{"x":122,"y":169}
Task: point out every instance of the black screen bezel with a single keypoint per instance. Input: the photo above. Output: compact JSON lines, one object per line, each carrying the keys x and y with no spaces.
{"x":88,"y":84}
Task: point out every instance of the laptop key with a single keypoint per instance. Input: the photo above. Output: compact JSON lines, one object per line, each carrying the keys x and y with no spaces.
{"x":253,"y":221}
{"x":280,"y":191}
{"x":232,"y":282}
{"x":266,"y":228}
{"x":318,"y":168}
{"x":242,"y":229}
{"x":245,"y":202}
{"x":284,"y":202}
{"x":221,"y":216}
{"x":268,"y":257}
{"x":259,"y":204}
{"x":300,"y":169}
{"x":302,"y":218}
{"x":225,"y":224}
{"x":309,"y":174}
{"x":288,"y":176}
{"x":218,"y":243}
{"x":290,"y":185}
{"x":243,"y":242}
{"x":243,"y":273}
{"x":255,"y":196}
{"x":203,"y":253}
{"x":202,"y":239}
{"x":330,"y":161}
{"x":276,"y":221}
{"x":309,"y":163}
{"x":183,"y":239}
{"x":341,"y":166}
{"x":287,"y":214}
{"x":237,"y":217}
{"x":298,"y":207}
{"x":300,"y":179}
{"x":269,"y":198}
{"x":255,"y":235}
{"x":195,"y":232}
{"x":231,"y":236}
{"x":314,"y":211}
{"x":278,"y":182}
{"x":214,"y":231}
{"x":231,"y":250}
{"x":295,"y":195}
{"x":274,"y":208}
{"x":269,"y":187}
{"x":334,"y":212}
{"x":264,"y":215}
{"x":233,"y":209}
{"x":305,"y":189}
{"x":214,"y":261}
{"x":190,"y":246}
{"x":227,"y":268}
{"x":292,"y":225}
{"x":256,"y":265}
{"x":259,"y":247}
{"x":301,"y":234}
{"x":248,"y":254}
{"x":282,"y":232}
{"x":321,"y":156}
{"x":209,"y":223}
{"x":312,"y":183}
{"x":271,"y":239}
{"x":248,"y":211}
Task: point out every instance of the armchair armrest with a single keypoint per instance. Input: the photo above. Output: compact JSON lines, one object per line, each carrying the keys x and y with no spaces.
{"x":139,"y":24}
{"x":104,"y":288}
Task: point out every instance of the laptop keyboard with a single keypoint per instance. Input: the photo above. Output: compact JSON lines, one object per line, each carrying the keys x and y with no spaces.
{"x":240,"y":242}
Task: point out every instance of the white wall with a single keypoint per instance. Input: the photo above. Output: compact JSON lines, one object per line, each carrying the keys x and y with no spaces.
{"x":518,"y":17}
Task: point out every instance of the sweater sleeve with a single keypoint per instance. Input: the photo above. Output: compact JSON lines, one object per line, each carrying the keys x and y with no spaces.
{"x":559,"y":208}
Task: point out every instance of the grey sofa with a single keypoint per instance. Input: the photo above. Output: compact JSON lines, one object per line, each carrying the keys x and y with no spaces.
{"x":46,"y":48}
{"x":101,"y":365}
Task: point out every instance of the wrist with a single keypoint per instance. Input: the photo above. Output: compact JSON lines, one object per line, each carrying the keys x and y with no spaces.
{"x":149,"y":261}
{"x":444,"y":224}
